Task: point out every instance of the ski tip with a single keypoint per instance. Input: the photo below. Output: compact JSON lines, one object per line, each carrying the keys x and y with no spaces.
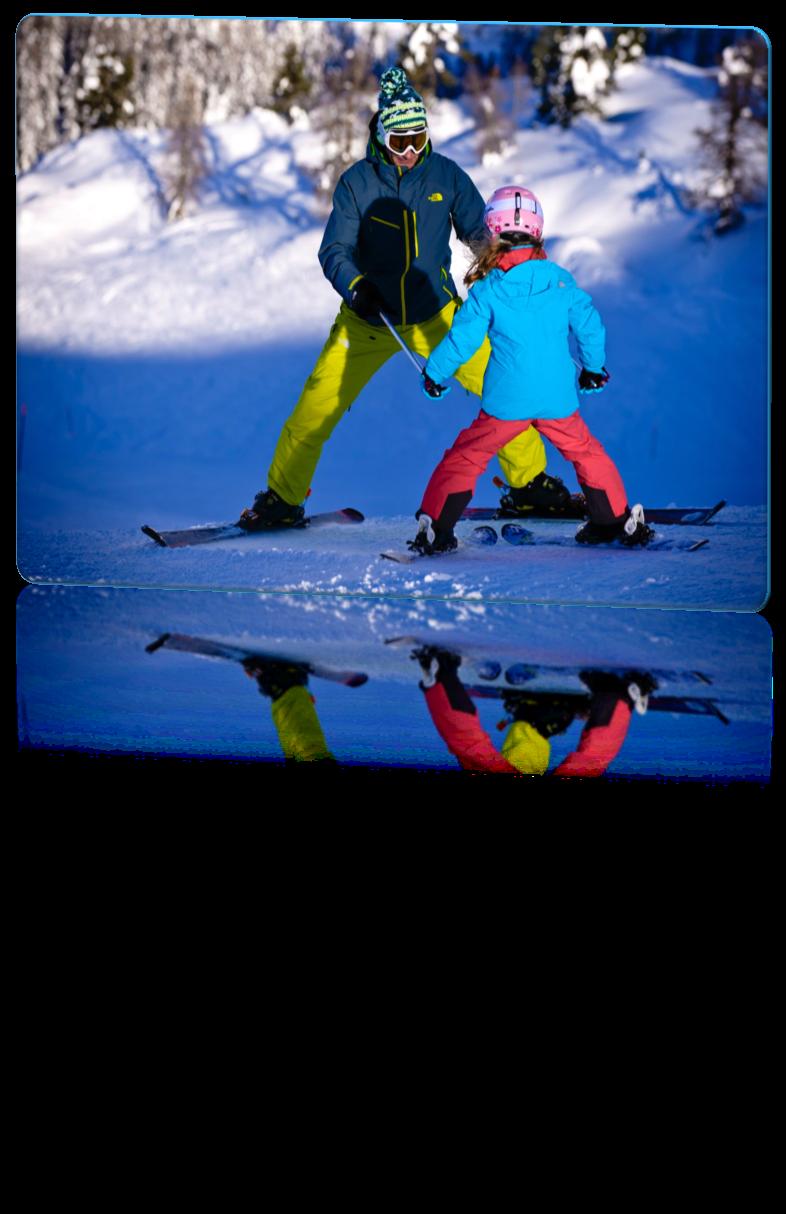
{"x":154,"y":645}
{"x":699,"y":544}
{"x":154,"y":535}
{"x":354,"y":515}
{"x":357,"y":680}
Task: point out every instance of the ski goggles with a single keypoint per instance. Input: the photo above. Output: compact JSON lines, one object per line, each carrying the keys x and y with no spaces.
{"x":402,"y":142}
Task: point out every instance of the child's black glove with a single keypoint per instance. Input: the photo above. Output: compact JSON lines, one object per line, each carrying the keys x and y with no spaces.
{"x":435,"y":391}
{"x":593,"y":381}
{"x":366,"y":300}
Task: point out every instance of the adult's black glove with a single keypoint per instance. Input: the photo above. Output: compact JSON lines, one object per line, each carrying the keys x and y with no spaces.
{"x":366,"y":300}
{"x":593,"y":381}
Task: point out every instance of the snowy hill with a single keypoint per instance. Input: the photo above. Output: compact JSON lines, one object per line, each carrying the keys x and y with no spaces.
{"x":158,"y":361}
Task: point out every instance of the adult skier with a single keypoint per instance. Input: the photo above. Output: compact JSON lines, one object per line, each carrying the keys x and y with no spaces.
{"x":386,"y":248}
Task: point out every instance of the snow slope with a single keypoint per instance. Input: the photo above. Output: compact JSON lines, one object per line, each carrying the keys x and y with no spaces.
{"x":156,"y":363}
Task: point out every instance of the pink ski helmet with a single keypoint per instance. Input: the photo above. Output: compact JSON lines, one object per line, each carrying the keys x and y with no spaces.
{"x":513,"y":209}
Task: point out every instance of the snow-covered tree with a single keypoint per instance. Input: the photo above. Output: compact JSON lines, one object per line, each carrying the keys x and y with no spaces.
{"x":343,"y":112}
{"x":735,"y":145}
{"x":292,"y":86}
{"x":627,"y":46}
{"x":570,"y":67}
{"x":103,"y":96}
{"x":424,"y":55}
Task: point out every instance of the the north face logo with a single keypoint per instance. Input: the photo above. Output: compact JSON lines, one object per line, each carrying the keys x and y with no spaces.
{"x":435,"y":198}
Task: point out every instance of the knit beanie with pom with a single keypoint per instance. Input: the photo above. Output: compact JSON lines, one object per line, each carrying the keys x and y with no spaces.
{"x":400,"y":107}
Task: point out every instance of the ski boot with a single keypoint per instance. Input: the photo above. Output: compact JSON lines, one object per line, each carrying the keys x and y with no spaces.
{"x":270,"y":510}
{"x":434,"y":662}
{"x":430,"y":540}
{"x":543,"y":493}
{"x":635,"y":686}
{"x":631,"y":530}
{"x":274,"y":678}
{"x":548,"y":713}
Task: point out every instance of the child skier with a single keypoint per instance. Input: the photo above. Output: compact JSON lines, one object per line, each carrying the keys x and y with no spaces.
{"x":526,"y":305}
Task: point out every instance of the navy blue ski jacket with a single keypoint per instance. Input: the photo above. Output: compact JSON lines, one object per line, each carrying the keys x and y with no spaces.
{"x":392,"y":226}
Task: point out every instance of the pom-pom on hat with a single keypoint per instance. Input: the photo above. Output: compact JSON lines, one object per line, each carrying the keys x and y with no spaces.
{"x":400,"y":107}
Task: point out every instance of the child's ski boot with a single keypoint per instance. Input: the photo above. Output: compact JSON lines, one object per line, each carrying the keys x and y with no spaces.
{"x":270,"y":510}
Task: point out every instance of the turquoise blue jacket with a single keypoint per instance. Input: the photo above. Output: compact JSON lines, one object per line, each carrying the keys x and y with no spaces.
{"x":394,"y":227}
{"x":527,"y":312}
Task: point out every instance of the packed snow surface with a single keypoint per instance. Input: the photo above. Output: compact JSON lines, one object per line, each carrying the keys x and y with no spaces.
{"x":157,"y":362}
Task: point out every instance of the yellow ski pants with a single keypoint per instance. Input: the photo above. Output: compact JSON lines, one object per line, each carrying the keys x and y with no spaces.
{"x":351,"y":356}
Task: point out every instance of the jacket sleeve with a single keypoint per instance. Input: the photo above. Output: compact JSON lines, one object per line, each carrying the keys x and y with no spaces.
{"x":469,"y":328}
{"x":468,"y":208}
{"x":584,"y":320}
{"x":339,"y":244}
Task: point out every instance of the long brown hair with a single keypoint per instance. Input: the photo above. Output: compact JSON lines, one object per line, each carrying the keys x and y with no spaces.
{"x":487,"y":252}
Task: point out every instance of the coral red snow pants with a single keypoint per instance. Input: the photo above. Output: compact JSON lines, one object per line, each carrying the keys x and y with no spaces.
{"x":453,"y":481}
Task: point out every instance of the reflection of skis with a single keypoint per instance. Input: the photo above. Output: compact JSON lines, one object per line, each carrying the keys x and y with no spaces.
{"x":516,"y":674}
{"x":694,"y":705}
{"x":237,"y":653}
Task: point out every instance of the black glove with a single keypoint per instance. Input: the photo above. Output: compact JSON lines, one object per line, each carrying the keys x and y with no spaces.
{"x":366,"y":300}
{"x":435,"y":391}
{"x":593,"y":381}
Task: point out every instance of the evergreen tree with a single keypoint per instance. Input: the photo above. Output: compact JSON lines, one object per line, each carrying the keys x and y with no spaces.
{"x":423,"y":52}
{"x":734,"y":146}
{"x":292,"y":87}
{"x":103,"y":98}
{"x":571,"y":70}
{"x":342,"y":117}
{"x":627,"y":46}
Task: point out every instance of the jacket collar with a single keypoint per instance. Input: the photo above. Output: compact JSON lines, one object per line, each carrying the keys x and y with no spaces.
{"x":516,"y":256}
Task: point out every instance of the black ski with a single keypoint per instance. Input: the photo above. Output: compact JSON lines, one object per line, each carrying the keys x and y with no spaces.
{"x":486,"y":664}
{"x":576,"y":509}
{"x":227,"y":531}
{"x":520,"y":536}
{"x":238,"y":653}
{"x":694,"y":705}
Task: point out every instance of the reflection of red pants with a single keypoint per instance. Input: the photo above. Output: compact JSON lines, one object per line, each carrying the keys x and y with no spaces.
{"x":601,"y":739}
{"x":457,"y":722}
{"x":453,"y":480}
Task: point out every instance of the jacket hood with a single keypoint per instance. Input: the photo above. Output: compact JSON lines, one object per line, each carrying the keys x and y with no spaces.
{"x":530,"y":284}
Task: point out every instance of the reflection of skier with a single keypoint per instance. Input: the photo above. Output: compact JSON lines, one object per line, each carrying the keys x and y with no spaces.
{"x":294,"y":715}
{"x":526,"y":305}
{"x":533,"y":719}
{"x":387,"y":247}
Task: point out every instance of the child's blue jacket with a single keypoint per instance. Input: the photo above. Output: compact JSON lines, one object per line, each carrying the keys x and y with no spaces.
{"x":527,"y":312}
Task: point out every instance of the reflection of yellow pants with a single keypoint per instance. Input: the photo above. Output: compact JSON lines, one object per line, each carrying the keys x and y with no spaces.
{"x":352,"y":354}
{"x":298,"y":727}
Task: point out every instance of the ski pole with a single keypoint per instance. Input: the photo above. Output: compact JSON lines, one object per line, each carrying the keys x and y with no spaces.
{"x":421,"y":370}
{"x":404,"y":347}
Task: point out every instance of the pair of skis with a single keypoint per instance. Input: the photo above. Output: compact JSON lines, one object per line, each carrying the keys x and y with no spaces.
{"x":518,"y":536}
{"x":513,"y":533}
